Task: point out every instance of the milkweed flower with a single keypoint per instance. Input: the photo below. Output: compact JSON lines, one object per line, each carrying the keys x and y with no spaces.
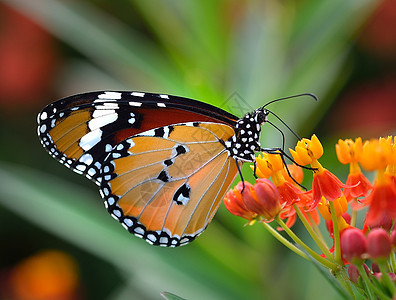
{"x":340,"y":205}
{"x":324,"y":184}
{"x":283,"y":201}
{"x":234,"y":203}
{"x":271,"y":165}
{"x":376,"y":156}
{"x":379,"y":245}
{"x":263,"y":199}
{"x":349,"y":152}
{"x":353,"y":245}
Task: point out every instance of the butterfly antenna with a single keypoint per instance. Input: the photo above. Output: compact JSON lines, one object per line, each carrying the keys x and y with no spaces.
{"x":290,"y":97}
{"x":284,"y":123}
{"x":281,"y":132}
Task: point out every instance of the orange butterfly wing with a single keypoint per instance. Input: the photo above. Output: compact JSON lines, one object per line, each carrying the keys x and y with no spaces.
{"x":165,"y":185}
{"x":79,"y":131}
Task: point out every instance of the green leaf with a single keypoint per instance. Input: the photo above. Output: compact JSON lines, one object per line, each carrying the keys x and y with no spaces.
{"x":170,"y":296}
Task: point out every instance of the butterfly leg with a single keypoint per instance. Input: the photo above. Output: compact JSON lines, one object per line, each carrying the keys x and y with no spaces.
{"x":240,"y":174}
{"x":255,"y":169}
{"x":282,"y":154}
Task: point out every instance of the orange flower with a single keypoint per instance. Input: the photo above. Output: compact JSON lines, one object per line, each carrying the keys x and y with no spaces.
{"x":349,"y":151}
{"x":382,"y":201}
{"x":378,"y":154}
{"x":268,"y":165}
{"x":325,"y":184}
{"x":263,"y":199}
{"x":271,"y":165}
{"x":307,"y":151}
{"x":288,"y":193}
{"x":295,"y":171}
{"x":234,"y":203}
{"x":391,"y":168}
{"x":357,"y":185}
{"x":340,"y":204}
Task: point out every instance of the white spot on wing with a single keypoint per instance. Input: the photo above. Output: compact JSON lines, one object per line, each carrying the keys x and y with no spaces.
{"x":164,"y":96}
{"x":131,"y":120}
{"x":133,"y":103}
{"x":98,"y":112}
{"x":96,"y":123}
{"x":107,"y":105}
{"x":110,"y":95}
{"x":139,"y":230}
{"x":90,"y":139}
{"x":81,"y":167}
{"x":137,"y":94}
{"x":86,"y":159}
{"x":43,"y":115}
{"x":159,"y":104}
{"x":43,"y":128}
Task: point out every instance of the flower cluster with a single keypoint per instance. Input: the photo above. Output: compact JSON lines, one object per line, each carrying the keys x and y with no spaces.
{"x":360,"y":255}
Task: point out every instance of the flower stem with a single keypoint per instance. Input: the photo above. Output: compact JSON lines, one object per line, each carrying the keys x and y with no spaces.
{"x":312,"y":233}
{"x":384,"y":270}
{"x":317,"y":230}
{"x":284,"y":241}
{"x":337,"y":247}
{"x":354,"y":216}
{"x":296,"y":239}
{"x":343,"y":279}
{"x":392,"y":262}
{"x":369,"y":286}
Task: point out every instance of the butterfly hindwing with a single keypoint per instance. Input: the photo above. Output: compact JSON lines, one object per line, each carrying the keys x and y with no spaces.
{"x":165,"y":184}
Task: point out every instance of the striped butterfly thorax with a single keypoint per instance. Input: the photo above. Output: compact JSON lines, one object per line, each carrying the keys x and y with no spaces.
{"x":163,"y":163}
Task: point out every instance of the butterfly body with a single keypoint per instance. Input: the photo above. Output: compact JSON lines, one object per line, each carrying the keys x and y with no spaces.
{"x":163,"y":163}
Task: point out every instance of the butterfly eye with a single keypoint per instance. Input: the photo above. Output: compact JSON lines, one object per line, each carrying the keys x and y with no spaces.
{"x":262,"y":116}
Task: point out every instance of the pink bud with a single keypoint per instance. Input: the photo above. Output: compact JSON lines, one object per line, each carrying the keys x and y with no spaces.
{"x":263,"y":199}
{"x":375,"y":268}
{"x":379,"y":244}
{"x":393,"y":237}
{"x":234,"y":203}
{"x":353,"y":245}
{"x":353,"y":272}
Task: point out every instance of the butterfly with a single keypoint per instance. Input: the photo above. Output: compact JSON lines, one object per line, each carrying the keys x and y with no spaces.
{"x":162,"y":163}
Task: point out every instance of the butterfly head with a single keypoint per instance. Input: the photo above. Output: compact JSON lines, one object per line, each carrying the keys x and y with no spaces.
{"x":261,"y":115}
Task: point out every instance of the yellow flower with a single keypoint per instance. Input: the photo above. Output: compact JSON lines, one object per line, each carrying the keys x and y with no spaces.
{"x":378,"y":154}
{"x":307,"y":151}
{"x":349,"y":151}
{"x":268,"y":164}
{"x":340,"y":205}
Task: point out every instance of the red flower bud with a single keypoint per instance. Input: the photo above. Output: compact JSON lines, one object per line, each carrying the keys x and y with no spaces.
{"x":393,"y":237}
{"x":375,"y":268}
{"x":263,"y":199}
{"x":234,"y":203}
{"x":379,"y":244}
{"x":347,"y":217}
{"x":353,"y":272}
{"x":353,"y":245}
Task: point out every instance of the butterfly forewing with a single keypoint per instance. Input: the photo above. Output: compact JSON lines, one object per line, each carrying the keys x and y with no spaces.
{"x":80,"y":131}
{"x":164,"y":185}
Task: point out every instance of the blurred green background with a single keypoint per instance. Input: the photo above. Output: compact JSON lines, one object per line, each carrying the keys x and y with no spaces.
{"x":234,"y":54}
